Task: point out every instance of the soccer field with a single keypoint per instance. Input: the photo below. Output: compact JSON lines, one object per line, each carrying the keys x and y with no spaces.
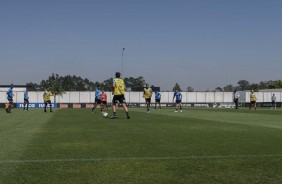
{"x":196,"y":146}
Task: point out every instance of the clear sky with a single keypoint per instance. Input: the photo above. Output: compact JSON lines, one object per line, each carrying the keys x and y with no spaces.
{"x":198,"y":43}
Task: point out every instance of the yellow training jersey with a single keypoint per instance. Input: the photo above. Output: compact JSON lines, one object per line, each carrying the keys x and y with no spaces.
{"x":47,"y":96}
{"x":147,"y":93}
{"x":119,"y":87}
{"x":253,"y":97}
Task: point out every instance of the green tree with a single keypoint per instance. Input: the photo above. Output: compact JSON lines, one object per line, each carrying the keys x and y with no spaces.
{"x":135,"y":83}
{"x":176,"y":87}
{"x":254,"y":86}
{"x":243,"y":85}
{"x":228,"y":88}
{"x":54,"y":85}
{"x":190,"y":89}
{"x":33,"y":86}
{"x":107,"y":85}
{"x":218,"y":89}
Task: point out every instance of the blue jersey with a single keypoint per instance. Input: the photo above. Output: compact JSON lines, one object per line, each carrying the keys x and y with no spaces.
{"x":98,"y":93}
{"x":158,"y":95}
{"x":26,"y":95}
{"x":10,"y":93}
{"x":178,"y":96}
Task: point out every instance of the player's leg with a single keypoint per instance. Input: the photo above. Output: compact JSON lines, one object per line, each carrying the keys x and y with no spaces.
{"x":50,"y":105}
{"x":176,"y":106}
{"x":27,"y":105}
{"x":250,"y":106}
{"x":148,"y":104}
{"x":114,"y":108}
{"x":11,"y":105}
{"x":101,"y":105}
{"x":255,"y":105}
{"x":125,"y":108}
{"x":7,"y":107}
{"x":24,"y":105}
{"x":156,"y":104}
{"x":45,"y":106}
{"x":180,"y":106}
{"x":95,"y":105}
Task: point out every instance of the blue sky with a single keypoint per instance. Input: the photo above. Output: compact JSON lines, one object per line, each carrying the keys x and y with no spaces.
{"x":200,"y":43}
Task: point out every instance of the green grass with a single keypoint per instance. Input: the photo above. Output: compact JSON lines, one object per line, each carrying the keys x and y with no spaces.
{"x":196,"y":146}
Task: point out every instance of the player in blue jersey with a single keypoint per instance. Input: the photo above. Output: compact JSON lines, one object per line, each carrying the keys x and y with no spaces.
{"x":26,"y":100}
{"x":158,"y":99}
{"x":98,"y":101}
{"x":10,"y":96}
{"x":178,"y":99}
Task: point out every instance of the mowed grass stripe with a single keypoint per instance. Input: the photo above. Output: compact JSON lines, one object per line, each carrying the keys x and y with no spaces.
{"x":16,"y":131}
{"x":263,"y":117}
{"x":136,"y":159}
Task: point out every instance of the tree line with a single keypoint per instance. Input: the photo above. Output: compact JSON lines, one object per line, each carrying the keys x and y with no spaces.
{"x":58,"y":84}
{"x":242,"y":85}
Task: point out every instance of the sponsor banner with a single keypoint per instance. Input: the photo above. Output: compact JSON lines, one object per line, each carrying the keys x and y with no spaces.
{"x":36,"y":105}
{"x":2,"y":105}
{"x":89,"y":106}
{"x":224,"y":105}
{"x":278,"y":104}
{"x":76,"y":106}
{"x":201,"y":105}
{"x":64,"y":106}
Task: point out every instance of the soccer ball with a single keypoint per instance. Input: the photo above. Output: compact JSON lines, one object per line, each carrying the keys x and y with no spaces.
{"x":105,"y":114}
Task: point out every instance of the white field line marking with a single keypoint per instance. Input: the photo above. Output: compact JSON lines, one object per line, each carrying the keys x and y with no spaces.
{"x":135,"y":158}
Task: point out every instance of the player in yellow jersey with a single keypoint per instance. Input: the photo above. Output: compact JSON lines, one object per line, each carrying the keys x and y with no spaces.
{"x":253,"y":100}
{"x":119,"y":92}
{"x":148,"y":95}
{"x":47,"y":99}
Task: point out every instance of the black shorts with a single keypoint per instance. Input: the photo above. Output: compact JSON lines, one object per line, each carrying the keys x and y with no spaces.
{"x":26,"y":101}
{"x":10,"y":100}
{"x":178,"y":101}
{"x":104,"y":102}
{"x":47,"y":102}
{"x":148,"y":100}
{"x":97,"y":101}
{"x":118,"y":99}
{"x":253,"y":102}
{"x":158,"y":100}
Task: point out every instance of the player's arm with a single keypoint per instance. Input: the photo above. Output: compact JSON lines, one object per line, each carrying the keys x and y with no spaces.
{"x":173,"y":97}
{"x":114,"y":84}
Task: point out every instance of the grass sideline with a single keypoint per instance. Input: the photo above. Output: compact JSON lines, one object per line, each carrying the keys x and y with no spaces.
{"x":196,"y":146}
